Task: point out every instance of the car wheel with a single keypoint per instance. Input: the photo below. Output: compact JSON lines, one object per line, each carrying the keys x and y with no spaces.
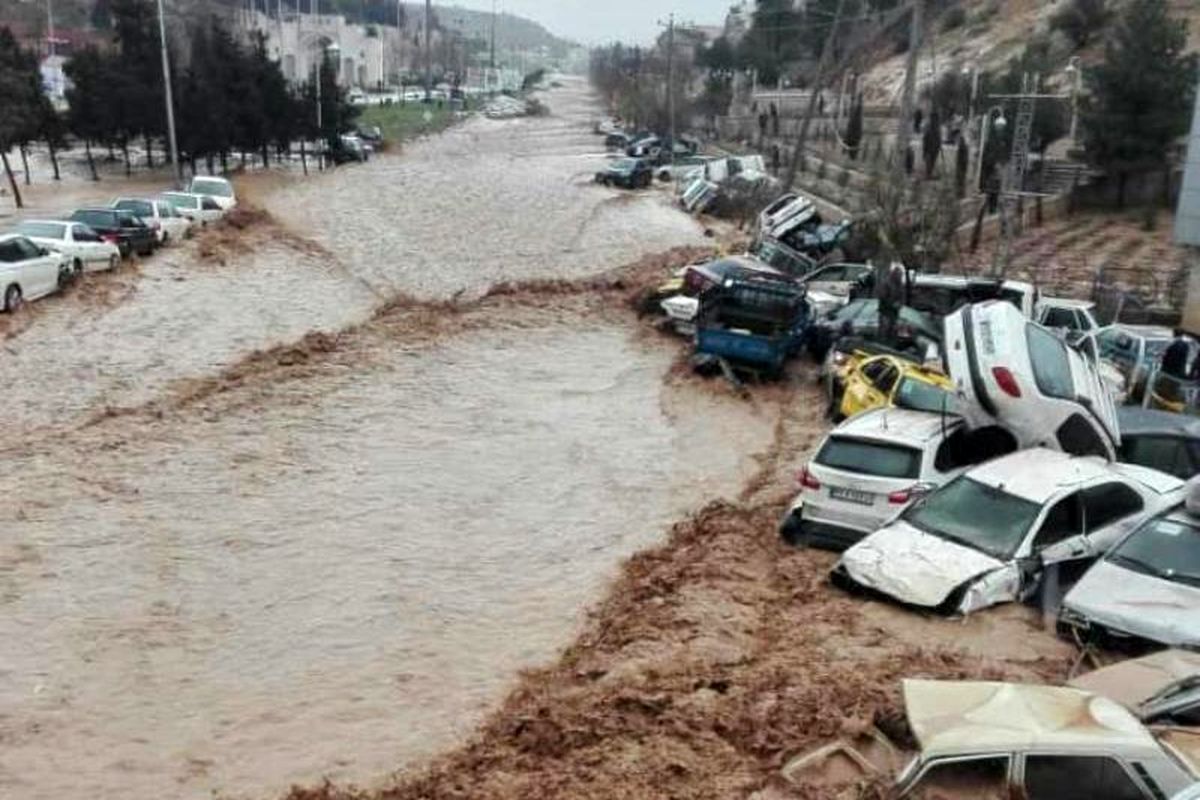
{"x":12,"y":298}
{"x":65,"y":275}
{"x":113,"y":260}
{"x":78,"y":265}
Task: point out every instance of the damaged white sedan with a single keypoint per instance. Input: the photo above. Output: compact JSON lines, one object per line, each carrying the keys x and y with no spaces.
{"x":988,"y":536}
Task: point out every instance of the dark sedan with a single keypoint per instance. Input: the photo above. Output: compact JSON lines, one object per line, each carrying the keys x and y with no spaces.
{"x":118,"y":227}
{"x":632,"y":173}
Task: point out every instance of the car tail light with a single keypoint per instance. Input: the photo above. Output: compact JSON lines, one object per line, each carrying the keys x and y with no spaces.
{"x":1006,"y":381}
{"x":111,"y":238}
{"x":807,"y":480}
{"x":911,"y":493}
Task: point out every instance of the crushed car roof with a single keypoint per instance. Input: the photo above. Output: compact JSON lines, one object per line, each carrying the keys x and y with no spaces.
{"x":1038,"y":474}
{"x":1135,"y":681}
{"x":968,"y":717}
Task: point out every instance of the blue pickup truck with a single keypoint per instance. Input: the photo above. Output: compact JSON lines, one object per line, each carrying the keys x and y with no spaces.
{"x":756,"y":324}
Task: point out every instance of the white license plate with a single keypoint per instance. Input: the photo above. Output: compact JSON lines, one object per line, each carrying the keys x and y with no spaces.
{"x":852,"y":496}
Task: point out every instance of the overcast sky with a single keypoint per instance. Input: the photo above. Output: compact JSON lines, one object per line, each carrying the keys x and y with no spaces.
{"x":600,"y":21}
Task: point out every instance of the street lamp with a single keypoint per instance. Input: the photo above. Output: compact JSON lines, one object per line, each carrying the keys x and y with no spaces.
{"x":1075,"y":73}
{"x":973,"y":71}
{"x":987,"y":122}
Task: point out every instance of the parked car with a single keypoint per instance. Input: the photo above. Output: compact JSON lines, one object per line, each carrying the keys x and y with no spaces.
{"x":167,"y":223}
{"x":1135,"y":350}
{"x":371,"y":134}
{"x":121,"y":228}
{"x":1162,"y":688}
{"x":788,"y":213}
{"x":1070,"y":316}
{"x":82,"y":245}
{"x":617,"y":140}
{"x":1160,"y":440}
{"x":200,"y":209}
{"x":1145,"y":593}
{"x":873,"y":465}
{"x":632,"y":173}
{"x":219,"y":189}
{"x":682,"y":165}
{"x":883,"y":381}
{"x":940,"y":295}
{"x":29,"y":271}
{"x":860,"y":319}
{"x":988,"y":536}
{"x":1018,"y":374}
{"x":1003,"y":740}
{"x":756,"y":323}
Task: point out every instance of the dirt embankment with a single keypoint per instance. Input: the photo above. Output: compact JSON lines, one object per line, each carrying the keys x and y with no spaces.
{"x":714,"y":658}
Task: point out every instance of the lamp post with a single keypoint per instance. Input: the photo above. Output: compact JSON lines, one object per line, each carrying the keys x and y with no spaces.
{"x":1075,"y":73}
{"x":987,"y":122}
{"x":973,"y":71}
{"x":166,"y":69}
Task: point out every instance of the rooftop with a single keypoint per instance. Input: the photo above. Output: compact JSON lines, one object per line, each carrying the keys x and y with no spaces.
{"x":950,"y":717}
{"x":897,"y":425}
{"x":1038,"y":474}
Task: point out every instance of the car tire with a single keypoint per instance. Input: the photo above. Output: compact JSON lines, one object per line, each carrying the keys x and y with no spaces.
{"x":78,"y":267}
{"x":13,"y":299}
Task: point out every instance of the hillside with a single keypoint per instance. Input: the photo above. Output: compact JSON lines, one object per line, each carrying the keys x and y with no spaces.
{"x":991,"y":32}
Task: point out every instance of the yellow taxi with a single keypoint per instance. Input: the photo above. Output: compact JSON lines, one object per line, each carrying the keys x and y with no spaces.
{"x":883,"y":381}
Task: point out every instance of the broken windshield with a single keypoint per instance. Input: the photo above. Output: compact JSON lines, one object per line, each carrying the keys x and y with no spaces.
{"x":975,"y":515}
{"x":1165,"y":548}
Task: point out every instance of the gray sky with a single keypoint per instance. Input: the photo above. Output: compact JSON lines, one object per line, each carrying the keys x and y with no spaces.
{"x":600,"y":21}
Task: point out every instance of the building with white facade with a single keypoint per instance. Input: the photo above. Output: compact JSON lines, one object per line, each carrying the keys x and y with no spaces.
{"x":1187,"y":217}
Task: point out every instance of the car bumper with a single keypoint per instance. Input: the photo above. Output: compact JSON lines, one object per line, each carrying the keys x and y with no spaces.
{"x":1086,"y":632}
{"x":798,"y":531}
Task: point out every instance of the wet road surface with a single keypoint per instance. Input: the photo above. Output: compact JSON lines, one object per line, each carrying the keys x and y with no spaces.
{"x":337,"y":575}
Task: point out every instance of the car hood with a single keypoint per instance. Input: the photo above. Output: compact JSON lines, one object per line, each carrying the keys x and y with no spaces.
{"x":912,"y":566}
{"x":1140,"y":604}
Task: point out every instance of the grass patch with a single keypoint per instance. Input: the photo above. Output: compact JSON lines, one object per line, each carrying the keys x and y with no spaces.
{"x":401,"y":122}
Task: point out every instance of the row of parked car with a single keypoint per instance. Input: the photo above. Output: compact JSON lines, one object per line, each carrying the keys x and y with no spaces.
{"x":986,"y":452}
{"x":42,"y":256}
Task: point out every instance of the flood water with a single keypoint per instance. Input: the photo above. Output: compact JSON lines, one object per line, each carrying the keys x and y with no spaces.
{"x":339,"y":575}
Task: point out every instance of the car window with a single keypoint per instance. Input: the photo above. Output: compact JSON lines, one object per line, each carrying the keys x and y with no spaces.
{"x":10,"y":253}
{"x":1189,"y":715}
{"x":27,"y":248}
{"x":208,"y":204}
{"x":1051,"y":367}
{"x":216,"y":188}
{"x":870,"y":458}
{"x":1060,"y":318}
{"x":141,"y":208}
{"x":43,"y":230}
{"x":977,"y":778}
{"x":1109,"y":503}
{"x":975,"y":515}
{"x":1164,"y":548}
{"x":873,"y":369}
{"x":1054,"y":777}
{"x":921,"y":396}
{"x":965,"y":448}
{"x":129,"y":221}
{"x":828,"y":274}
{"x":1163,"y":453}
{"x":1063,"y":521}
{"x":886,"y":378}
{"x":104,"y":219}
{"x":1114,"y":343}
{"x":1079,"y":437}
{"x":83,"y":233}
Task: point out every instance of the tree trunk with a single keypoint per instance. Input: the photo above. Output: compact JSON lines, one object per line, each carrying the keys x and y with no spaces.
{"x":243,"y":159}
{"x":224,"y":162}
{"x":266,"y":156}
{"x":12,"y":180}
{"x":303,"y":158}
{"x":53,"y":158}
{"x":125,"y":155}
{"x":24,"y":162}
{"x":87,"y":148}
{"x":149,"y":151}
{"x":208,"y":159}
{"x":1122,"y":184}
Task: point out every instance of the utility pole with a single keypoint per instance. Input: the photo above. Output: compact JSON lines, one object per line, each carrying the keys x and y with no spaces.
{"x":817,"y":85}
{"x":492,"y":58}
{"x":166,"y":68}
{"x":50,"y":26}
{"x":428,"y":54}
{"x":671,"y":82}
{"x":1014,"y":178}
{"x":904,"y":128}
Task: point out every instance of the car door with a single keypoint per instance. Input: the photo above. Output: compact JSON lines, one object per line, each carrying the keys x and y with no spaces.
{"x":863,"y":385}
{"x":979,"y":777}
{"x":39,"y":271}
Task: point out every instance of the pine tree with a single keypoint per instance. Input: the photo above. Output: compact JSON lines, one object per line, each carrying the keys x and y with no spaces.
{"x":1140,"y":98}
{"x":20,"y":84}
{"x":854,"y":128}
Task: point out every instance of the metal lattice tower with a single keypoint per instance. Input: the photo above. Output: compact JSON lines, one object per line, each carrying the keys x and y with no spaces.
{"x":1014,"y":178}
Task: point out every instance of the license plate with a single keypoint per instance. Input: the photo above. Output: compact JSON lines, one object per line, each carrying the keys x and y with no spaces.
{"x":852,"y":496}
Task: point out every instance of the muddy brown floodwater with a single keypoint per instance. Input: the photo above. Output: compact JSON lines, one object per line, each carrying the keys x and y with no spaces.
{"x":334,"y":564}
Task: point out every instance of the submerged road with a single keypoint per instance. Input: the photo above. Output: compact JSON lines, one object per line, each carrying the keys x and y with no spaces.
{"x":339,"y":573}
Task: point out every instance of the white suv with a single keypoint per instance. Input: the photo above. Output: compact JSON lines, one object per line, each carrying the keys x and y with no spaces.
{"x":872,"y":466}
